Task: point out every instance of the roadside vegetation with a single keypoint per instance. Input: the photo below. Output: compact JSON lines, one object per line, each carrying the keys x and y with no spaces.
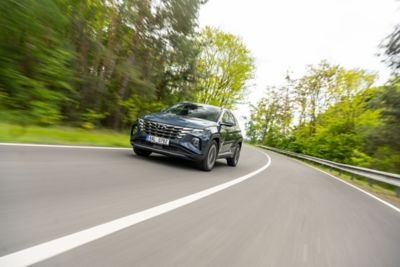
{"x":335,"y":113}
{"x":101,"y":64}
{"x":62,"y":135}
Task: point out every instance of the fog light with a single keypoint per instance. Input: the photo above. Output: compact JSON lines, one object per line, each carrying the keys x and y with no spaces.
{"x":196,"y":142}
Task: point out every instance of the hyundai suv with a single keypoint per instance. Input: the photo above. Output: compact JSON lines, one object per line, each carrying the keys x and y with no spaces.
{"x":199,"y":132}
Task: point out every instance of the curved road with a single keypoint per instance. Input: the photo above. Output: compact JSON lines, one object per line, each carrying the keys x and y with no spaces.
{"x":287,"y":214}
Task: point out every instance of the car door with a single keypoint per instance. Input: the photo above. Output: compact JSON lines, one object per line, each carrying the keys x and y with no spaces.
{"x":234,"y":131}
{"x":227,"y":132}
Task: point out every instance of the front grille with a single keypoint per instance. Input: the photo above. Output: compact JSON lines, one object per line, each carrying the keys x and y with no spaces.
{"x":163,"y":130}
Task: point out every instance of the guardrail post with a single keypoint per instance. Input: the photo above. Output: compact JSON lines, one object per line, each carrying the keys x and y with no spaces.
{"x":370,"y":182}
{"x":397,"y":191}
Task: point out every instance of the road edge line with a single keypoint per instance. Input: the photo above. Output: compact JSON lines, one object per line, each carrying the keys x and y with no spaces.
{"x":63,"y":146}
{"x":347,"y":183}
{"x":359,"y":189}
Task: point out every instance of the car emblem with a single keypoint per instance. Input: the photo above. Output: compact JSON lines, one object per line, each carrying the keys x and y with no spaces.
{"x":161,"y":127}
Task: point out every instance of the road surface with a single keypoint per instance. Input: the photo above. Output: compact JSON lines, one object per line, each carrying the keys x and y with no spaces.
{"x":280,"y":213}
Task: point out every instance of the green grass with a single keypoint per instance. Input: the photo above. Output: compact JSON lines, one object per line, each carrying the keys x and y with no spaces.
{"x":62,"y":135}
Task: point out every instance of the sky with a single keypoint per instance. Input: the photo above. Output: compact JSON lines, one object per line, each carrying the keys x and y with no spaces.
{"x":291,"y":34}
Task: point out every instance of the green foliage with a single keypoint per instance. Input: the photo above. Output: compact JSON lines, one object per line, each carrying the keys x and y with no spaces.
{"x":339,"y":115}
{"x":101,"y":63}
{"x":223,"y":69}
{"x":382,"y":142}
{"x":132,"y":49}
{"x":391,"y":49}
{"x":95,"y":62}
{"x":34,"y":73}
{"x":90,"y":118}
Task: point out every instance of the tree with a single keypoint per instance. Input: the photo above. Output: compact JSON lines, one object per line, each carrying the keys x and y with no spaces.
{"x":352,"y":121}
{"x":271,"y":118}
{"x":133,"y":49}
{"x":95,"y":62}
{"x":223,"y":69}
{"x":391,"y":47}
{"x":382,"y":142}
{"x":313,"y":93}
{"x":35,"y":60}
{"x":336,"y":110}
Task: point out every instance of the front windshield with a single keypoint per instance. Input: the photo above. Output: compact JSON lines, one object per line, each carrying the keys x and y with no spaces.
{"x":195,"y":111}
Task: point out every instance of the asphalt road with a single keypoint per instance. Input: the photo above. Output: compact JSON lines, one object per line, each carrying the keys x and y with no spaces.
{"x":287,"y":215}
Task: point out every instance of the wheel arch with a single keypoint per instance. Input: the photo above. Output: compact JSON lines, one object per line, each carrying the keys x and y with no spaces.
{"x":217,"y":139}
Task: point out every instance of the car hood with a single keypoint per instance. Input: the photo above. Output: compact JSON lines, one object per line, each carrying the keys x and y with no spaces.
{"x":179,"y":120}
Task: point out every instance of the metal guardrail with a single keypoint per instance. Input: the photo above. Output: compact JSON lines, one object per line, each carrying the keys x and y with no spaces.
{"x":372,"y":175}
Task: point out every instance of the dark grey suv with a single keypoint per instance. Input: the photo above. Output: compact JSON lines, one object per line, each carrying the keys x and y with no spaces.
{"x":198,"y":132}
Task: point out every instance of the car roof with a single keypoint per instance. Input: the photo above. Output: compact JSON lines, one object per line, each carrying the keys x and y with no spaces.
{"x":202,"y":104}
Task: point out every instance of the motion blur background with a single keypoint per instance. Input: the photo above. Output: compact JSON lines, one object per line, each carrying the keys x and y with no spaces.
{"x":315,"y":77}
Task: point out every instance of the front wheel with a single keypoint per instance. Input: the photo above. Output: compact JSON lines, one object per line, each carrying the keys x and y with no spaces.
{"x":141,"y":152}
{"x":235,"y":158}
{"x":209,"y":160}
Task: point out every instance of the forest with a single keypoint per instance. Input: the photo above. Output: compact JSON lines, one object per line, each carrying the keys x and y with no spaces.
{"x":103,"y":63}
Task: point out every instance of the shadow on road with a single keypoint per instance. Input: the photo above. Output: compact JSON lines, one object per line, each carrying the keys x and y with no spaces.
{"x":174,"y":162}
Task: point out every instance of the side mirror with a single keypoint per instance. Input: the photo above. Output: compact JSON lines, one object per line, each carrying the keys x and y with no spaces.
{"x":227,"y":124}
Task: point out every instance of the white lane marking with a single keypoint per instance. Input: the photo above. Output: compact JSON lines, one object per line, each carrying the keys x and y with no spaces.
{"x":359,"y":189}
{"x":63,"y":146}
{"x":349,"y":184}
{"x":57,"y":246}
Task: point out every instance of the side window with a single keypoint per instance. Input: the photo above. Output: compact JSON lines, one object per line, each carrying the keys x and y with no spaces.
{"x":225,"y":117}
{"x":233,"y":118}
{"x":228,"y":117}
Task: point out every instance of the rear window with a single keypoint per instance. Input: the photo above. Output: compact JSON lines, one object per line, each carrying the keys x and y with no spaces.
{"x":204,"y":112}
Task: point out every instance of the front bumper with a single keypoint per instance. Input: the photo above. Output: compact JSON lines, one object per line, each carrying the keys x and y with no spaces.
{"x":180,"y":147}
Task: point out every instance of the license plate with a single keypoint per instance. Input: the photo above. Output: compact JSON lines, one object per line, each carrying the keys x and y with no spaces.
{"x":157,"y":140}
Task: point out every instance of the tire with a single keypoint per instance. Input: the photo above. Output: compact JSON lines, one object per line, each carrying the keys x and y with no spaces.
{"x":209,"y":160}
{"x":141,"y":152}
{"x":235,"y":159}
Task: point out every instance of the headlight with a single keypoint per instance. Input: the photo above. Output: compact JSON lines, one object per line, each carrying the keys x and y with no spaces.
{"x":134,"y":129}
{"x":198,"y":131}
